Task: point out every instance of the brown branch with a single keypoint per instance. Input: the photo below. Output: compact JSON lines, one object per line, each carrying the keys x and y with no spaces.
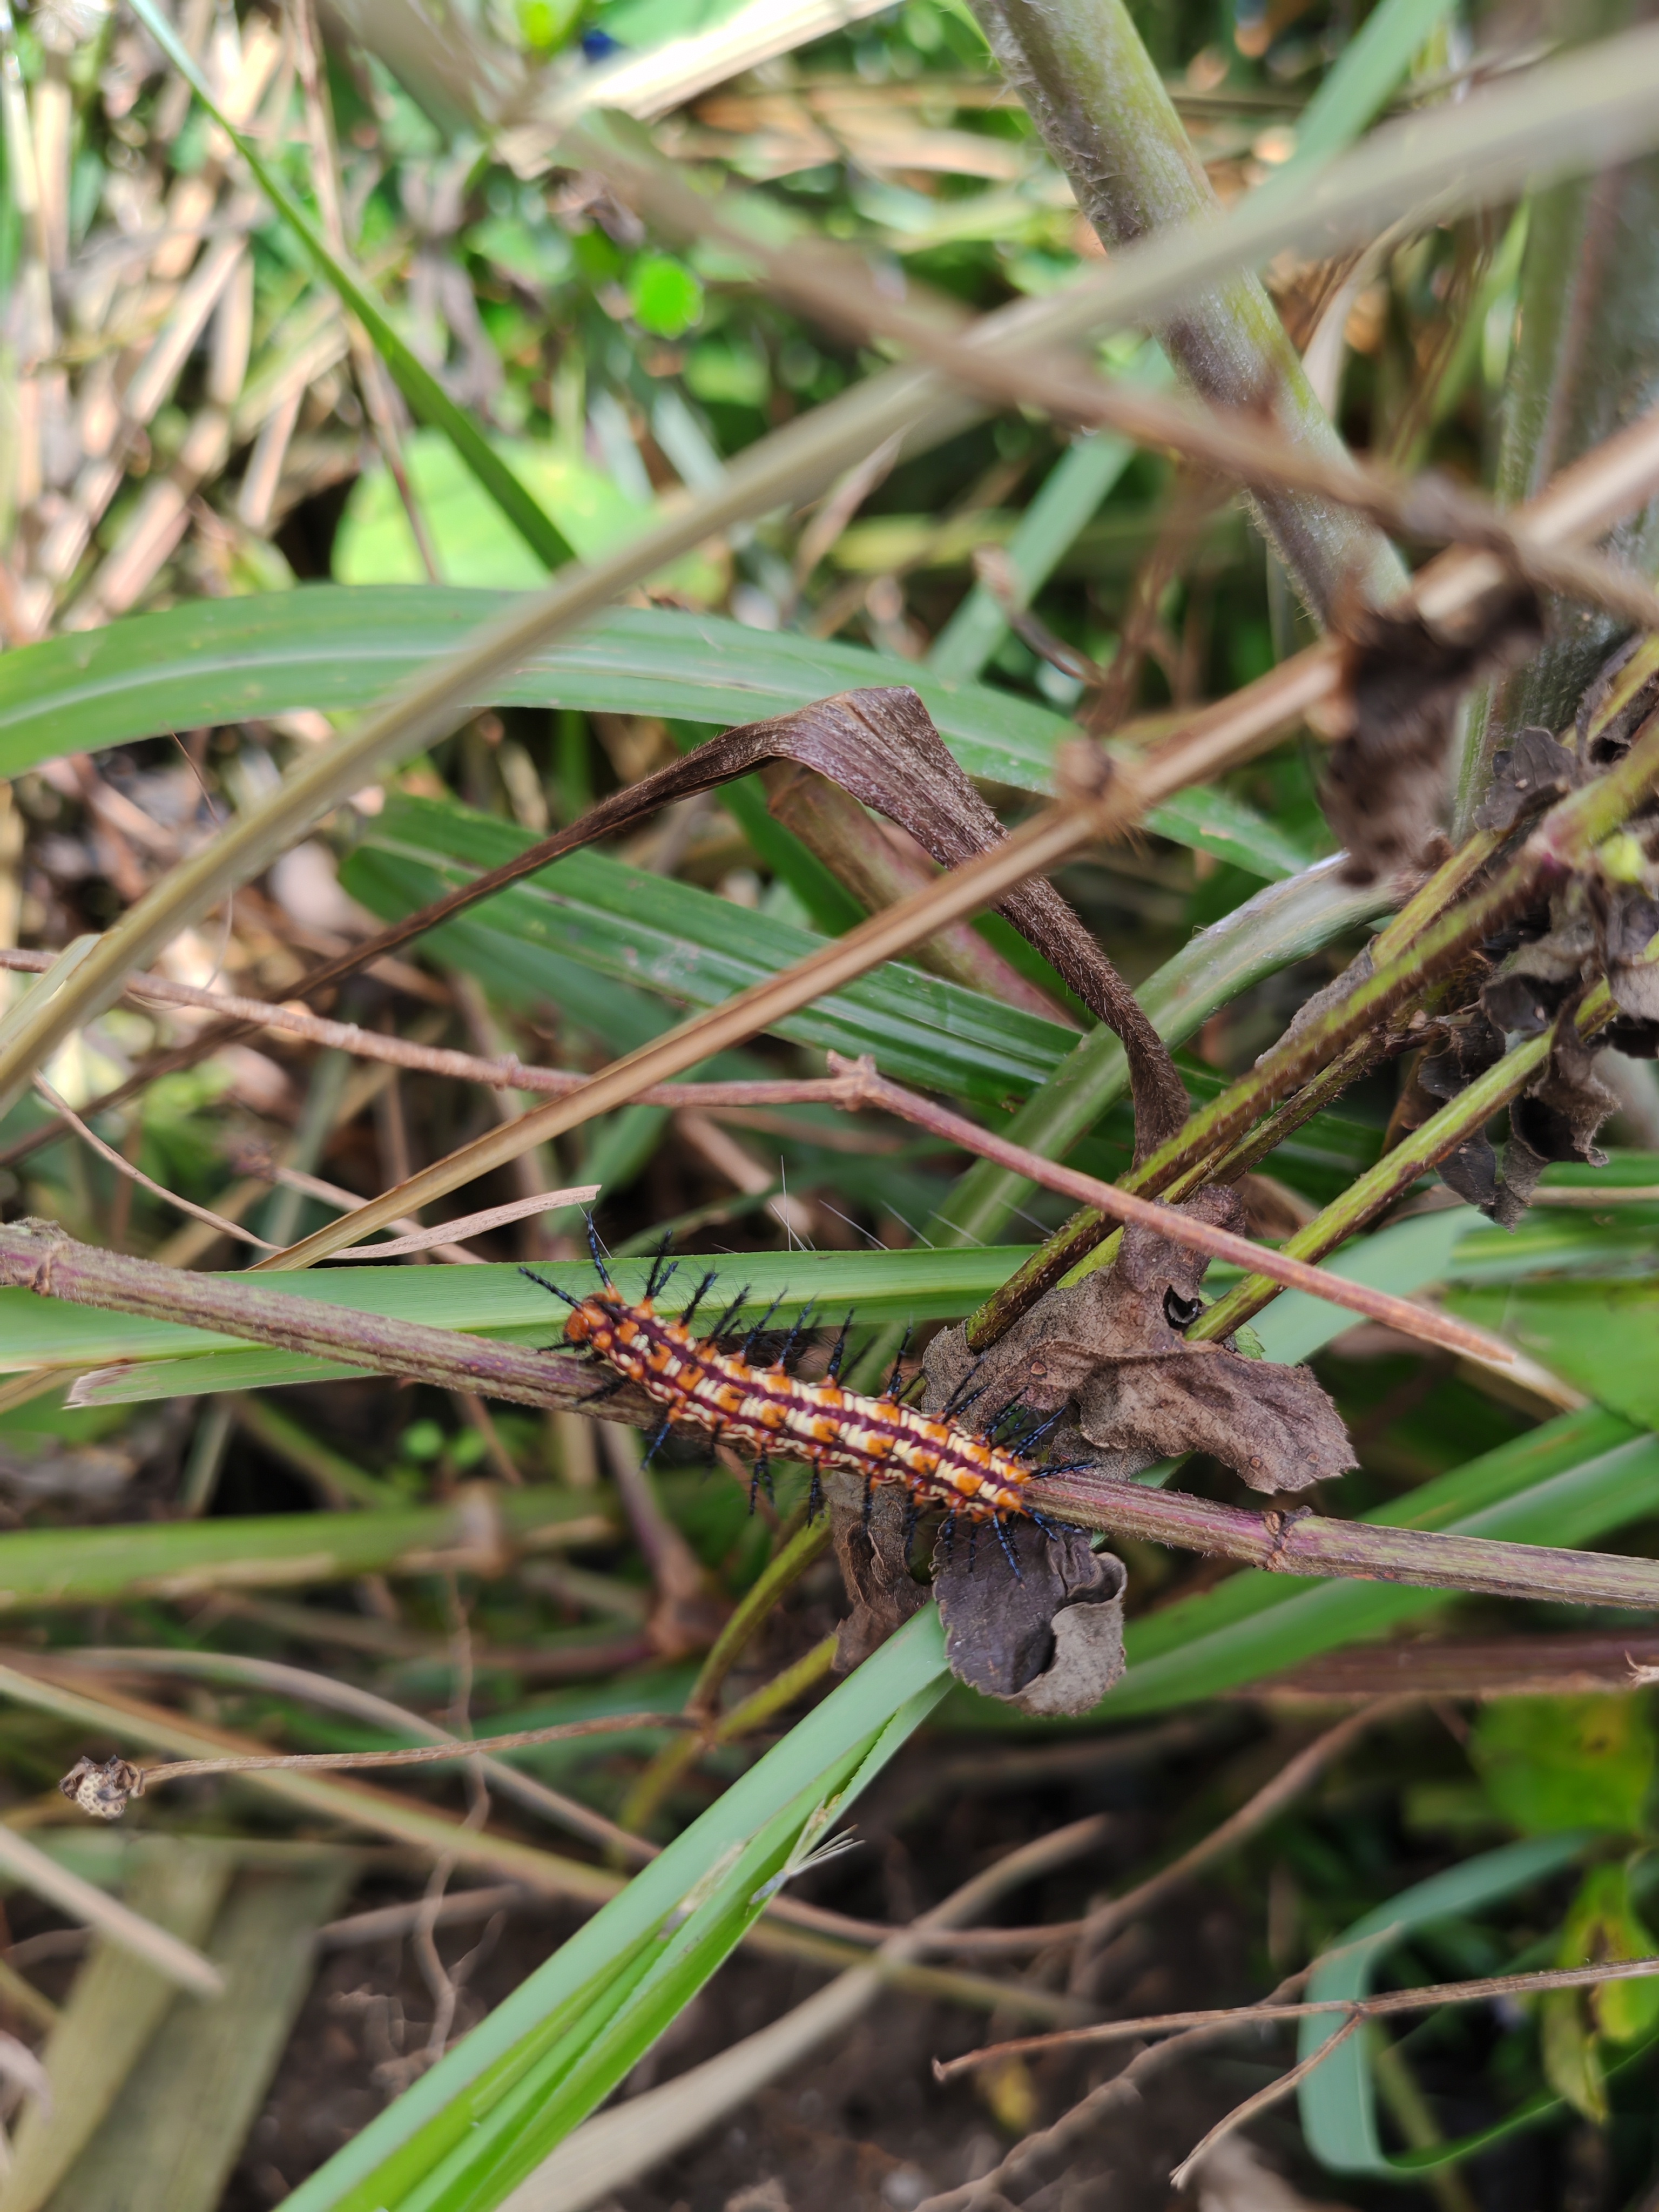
{"x":1273,"y":2093}
{"x":1427,"y":1998}
{"x":38,"y":1257}
{"x":1282,"y":1790}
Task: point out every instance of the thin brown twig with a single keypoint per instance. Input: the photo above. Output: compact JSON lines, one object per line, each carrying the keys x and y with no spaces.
{"x":1427,"y":1998}
{"x":505,"y":1073}
{"x":1403,"y":1314}
{"x":105,"y":1790}
{"x":1123,"y":2089}
{"x":1282,"y":1790}
{"x":1273,"y":2094}
{"x":135,"y":1174}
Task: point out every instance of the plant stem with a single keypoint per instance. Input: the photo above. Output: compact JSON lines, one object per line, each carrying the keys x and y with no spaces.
{"x":1094,"y":94}
{"x":1459,"y":1119}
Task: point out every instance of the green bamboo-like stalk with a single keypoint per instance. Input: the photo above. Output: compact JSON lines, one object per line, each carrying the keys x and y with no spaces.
{"x":1091,"y":88}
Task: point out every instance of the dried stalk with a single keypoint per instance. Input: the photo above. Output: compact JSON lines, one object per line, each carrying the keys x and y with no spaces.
{"x":104,"y":1789}
{"x":1288,"y":1273}
{"x":1428,"y":1998}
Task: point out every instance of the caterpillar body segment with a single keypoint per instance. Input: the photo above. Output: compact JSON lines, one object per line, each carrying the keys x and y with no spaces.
{"x":772,"y":1413}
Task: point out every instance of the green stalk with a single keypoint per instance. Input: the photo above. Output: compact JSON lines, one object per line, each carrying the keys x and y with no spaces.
{"x":1094,"y":94}
{"x":1459,"y":1119}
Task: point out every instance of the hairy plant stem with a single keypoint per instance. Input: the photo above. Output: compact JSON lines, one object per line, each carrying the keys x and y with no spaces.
{"x":51,"y":1264}
{"x":1372,"y":1193}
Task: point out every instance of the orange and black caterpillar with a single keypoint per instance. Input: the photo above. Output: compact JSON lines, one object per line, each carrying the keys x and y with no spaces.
{"x":770,"y":1411}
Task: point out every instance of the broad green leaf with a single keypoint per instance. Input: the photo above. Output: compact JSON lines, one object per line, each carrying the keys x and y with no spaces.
{"x":374,"y":544}
{"x":1600,"y":1335}
{"x":1604,"y":1924}
{"x":1339,"y":2114}
{"x":1552,"y":1763}
{"x":426,"y":396}
{"x":334,"y":649}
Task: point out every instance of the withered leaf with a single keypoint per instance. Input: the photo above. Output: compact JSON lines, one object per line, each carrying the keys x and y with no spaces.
{"x":881,"y":745}
{"x":1530,"y":773}
{"x":1402,"y":676}
{"x":875,"y":1565}
{"x":1048,"y":1640}
{"x":1112,"y":1346}
{"x":1628,"y":927}
{"x":1613,"y":743}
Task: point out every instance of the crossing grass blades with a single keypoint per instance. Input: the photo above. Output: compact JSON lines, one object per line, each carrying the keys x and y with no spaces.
{"x":770,"y":1410}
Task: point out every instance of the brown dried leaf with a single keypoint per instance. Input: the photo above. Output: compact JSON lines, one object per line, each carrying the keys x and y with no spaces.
{"x":1048,"y":1640}
{"x":1531,"y":773}
{"x":880,"y":746}
{"x":874,"y":1557}
{"x":1112,"y":1346}
{"x":1402,"y":676}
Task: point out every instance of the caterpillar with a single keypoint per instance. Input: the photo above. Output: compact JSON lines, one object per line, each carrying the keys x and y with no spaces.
{"x":770,"y":1410}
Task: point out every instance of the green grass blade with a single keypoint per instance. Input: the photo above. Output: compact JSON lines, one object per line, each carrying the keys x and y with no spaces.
{"x":1067,"y":499}
{"x":425,"y":395}
{"x":834,"y":1749}
{"x":1339,"y":2112}
{"x":335,"y":648}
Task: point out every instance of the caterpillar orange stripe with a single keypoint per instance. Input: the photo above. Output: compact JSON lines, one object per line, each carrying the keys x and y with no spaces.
{"x":771,"y":1412}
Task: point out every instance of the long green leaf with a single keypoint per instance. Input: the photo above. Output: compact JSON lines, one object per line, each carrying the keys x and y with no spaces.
{"x":89,"y":1567}
{"x":691,"y":945}
{"x":335,"y":648}
{"x":425,"y":395}
{"x":1339,"y":2112}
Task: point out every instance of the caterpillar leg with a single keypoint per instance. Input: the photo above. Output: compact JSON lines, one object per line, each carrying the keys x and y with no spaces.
{"x":760,"y":1473}
{"x":608,"y":1389}
{"x":948,"y":1535}
{"x":869,"y":1499}
{"x":541,"y":1283}
{"x":1006,"y":1542}
{"x":659,"y":1437}
{"x":815,"y":1495}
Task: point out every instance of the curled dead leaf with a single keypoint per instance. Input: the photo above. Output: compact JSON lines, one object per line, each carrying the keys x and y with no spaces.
{"x":1402,"y":676}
